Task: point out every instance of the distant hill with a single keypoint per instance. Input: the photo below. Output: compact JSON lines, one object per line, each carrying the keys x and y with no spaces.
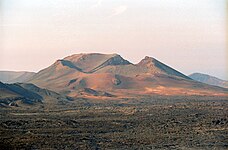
{"x":15,"y":76}
{"x":110,"y":73}
{"x":211,"y":80}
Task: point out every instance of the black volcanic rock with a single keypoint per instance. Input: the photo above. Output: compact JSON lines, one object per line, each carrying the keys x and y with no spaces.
{"x":17,"y":89}
{"x":10,"y":93}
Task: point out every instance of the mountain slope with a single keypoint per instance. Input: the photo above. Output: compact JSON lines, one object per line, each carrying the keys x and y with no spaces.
{"x":204,"y":78}
{"x":23,"y":93}
{"x":155,"y":66}
{"x":115,"y":75}
{"x":14,"y":76}
{"x":10,"y":93}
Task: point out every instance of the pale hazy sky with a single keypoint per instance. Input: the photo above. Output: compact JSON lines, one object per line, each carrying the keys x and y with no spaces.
{"x":188,"y":35}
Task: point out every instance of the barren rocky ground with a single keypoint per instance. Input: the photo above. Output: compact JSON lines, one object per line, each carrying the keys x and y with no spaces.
{"x":144,"y":123}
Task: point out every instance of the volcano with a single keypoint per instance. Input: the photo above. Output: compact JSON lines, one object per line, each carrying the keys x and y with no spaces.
{"x":113,"y":74}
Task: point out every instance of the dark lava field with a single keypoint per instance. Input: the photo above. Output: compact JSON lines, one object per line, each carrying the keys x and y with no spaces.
{"x":142,"y":123}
